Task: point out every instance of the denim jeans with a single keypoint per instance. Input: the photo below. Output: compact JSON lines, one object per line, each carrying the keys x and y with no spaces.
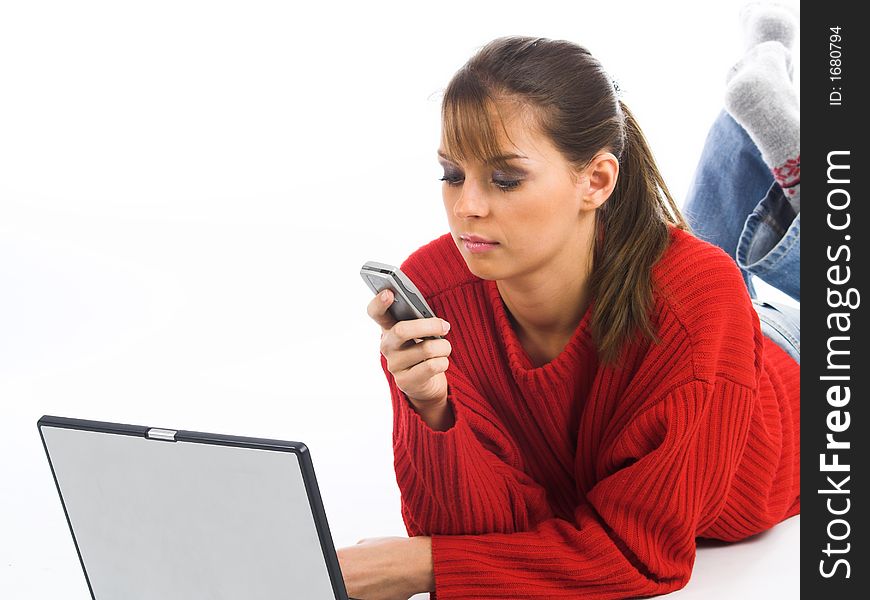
{"x":735,"y":203}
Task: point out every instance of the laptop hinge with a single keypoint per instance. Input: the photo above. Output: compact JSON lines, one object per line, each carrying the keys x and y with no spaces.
{"x":166,"y":435}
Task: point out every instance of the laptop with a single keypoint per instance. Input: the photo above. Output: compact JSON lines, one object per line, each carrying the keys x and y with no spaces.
{"x":160,"y":514}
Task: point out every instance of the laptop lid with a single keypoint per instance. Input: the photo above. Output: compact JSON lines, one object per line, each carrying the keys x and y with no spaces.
{"x":183,"y":515}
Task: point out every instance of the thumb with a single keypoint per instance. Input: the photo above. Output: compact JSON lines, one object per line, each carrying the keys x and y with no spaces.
{"x":378,"y":309}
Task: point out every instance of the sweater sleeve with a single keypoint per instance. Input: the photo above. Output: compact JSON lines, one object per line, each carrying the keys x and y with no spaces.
{"x":467,"y":478}
{"x":663,"y":478}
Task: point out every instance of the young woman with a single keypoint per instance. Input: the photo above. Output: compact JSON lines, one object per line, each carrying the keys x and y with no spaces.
{"x":605,"y":392}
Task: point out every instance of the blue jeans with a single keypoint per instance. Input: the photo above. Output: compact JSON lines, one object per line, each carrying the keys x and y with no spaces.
{"x":735,"y":203}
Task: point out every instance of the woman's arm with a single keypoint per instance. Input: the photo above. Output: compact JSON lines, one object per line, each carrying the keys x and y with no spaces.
{"x":635,"y":535}
{"x":467,"y":477}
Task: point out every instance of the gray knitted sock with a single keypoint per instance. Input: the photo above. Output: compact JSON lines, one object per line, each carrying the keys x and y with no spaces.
{"x":760,"y":96}
{"x":765,"y":21}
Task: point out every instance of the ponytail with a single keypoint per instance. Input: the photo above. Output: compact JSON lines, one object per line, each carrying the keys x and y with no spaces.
{"x":632,"y":234}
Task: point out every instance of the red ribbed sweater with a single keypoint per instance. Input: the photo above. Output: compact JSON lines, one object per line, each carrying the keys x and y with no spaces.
{"x":579,"y":480}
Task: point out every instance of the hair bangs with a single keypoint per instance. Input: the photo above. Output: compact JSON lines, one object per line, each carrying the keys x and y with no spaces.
{"x":470,"y":119}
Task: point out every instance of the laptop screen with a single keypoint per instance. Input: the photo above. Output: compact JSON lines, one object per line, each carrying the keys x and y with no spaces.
{"x":182,"y":520}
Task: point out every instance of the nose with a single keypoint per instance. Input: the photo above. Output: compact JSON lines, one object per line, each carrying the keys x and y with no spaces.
{"x":471,"y":201}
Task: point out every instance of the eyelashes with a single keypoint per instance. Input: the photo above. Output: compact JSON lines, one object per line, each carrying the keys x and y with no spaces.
{"x":505,"y":185}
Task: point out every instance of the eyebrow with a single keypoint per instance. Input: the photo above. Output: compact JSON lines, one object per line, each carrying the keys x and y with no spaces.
{"x":494,"y":159}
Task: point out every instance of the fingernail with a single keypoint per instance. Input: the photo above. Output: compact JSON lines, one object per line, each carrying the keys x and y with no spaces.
{"x":445,"y":326}
{"x":384,"y":295}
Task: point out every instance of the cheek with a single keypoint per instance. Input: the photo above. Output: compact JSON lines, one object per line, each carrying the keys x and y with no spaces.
{"x":447,"y":197}
{"x":542,"y":223}
{"x":546,"y":209}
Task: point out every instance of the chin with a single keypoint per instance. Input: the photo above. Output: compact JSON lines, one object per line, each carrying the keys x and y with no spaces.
{"x":482,"y":268}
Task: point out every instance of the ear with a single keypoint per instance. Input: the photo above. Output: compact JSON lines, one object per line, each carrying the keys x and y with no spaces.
{"x":600,"y":176}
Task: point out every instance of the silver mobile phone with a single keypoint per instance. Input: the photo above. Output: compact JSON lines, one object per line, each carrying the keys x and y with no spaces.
{"x":409,"y":302}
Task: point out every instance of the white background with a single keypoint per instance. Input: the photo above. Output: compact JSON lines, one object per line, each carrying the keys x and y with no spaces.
{"x":188,"y":190}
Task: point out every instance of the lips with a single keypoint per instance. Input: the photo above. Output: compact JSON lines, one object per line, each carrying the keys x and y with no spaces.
{"x":476,"y":239}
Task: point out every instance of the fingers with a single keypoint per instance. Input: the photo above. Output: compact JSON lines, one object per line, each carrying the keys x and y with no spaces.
{"x":415,"y":365}
{"x":402,"y":332}
{"x":422,"y":372}
{"x":424,"y":352}
{"x":377,"y":309}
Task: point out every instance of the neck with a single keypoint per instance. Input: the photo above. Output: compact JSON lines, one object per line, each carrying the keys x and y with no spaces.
{"x":549,"y":302}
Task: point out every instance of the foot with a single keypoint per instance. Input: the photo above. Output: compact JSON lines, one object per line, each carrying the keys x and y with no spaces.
{"x":768,"y":21}
{"x":760,"y":96}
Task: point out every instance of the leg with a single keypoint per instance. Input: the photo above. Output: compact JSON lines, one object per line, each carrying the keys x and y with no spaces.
{"x":770,"y":243}
{"x":782,"y":324}
{"x":752,"y":152}
{"x":745,"y":196}
{"x":762,"y":99}
{"x":729,"y":180}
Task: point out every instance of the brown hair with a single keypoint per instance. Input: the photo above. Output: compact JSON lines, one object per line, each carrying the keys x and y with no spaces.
{"x":576,"y":105}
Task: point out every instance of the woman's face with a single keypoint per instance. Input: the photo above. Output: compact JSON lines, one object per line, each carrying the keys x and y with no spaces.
{"x":534,"y":212}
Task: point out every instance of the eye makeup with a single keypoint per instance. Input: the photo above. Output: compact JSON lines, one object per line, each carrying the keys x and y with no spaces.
{"x":504,"y":180}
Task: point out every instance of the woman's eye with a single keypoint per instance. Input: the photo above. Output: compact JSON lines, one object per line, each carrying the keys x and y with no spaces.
{"x":451,"y":179}
{"x":504,"y":184}
{"x":507,"y":184}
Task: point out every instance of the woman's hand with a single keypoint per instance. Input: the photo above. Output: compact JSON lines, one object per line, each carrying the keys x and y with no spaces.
{"x":387,"y":568}
{"x":418,"y":368}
